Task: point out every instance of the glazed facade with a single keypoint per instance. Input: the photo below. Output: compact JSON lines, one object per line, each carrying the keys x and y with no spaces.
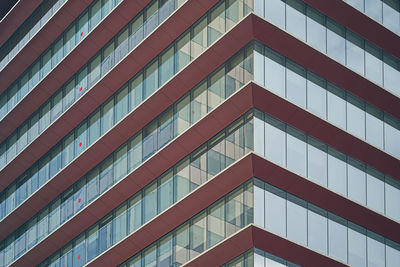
{"x":190,"y":143}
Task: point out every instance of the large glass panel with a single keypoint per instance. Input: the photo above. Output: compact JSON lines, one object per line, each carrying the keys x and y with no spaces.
{"x":199,"y":38}
{"x":356,"y":181}
{"x":167,"y":65}
{"x":392,"y":198}
{"x":355,"y":116}
{"x":275,"y":142}
{"x":275,"y":210}
{"x":216,"y":25}
{"x":374,"y":126}
{"x":317,"y":162}
{"x":357,"y":246}
{"x":336,"y":41}
{"x":296,"y":152}
{"x":296,"y":19}
{"x":296,"y":84}
{"x":275,"y":72}
{"x":392,"y":136}
{"x":296,"y":220}
{"x":375,"y":191}
{"x":151,"y":80}
{"x":337,"y":238}
{"x":373,"y":62}
{"x":354,"y":52}
{"x":336,"y":106}
{"x":375,"y":250}
{"x":317,"y":229}
{"x":316,"y":95}
{"x":275,"y":12}
{"x":316,"y":30}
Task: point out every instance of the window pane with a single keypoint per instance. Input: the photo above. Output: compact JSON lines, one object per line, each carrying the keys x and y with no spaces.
{"x":356,"y":116}
{"x":121,"y":105}
{"x":296,"y":152}
{"x":316,"y":30}
{"x":317,"y":229}
{"x":275,"y":76}
{"x":337,"y":238}
{"x":357,"y":246}
{"x":275,"y":211}
{"x":317,"y":162}
{"x":355,"y":52}
{"x":167,"y":65}
{"x":275,"y":142}
{"x":296,"y":220}
{"x":336,"y":41}
{"x":296,"y":84}
{"x":336,"y":106}
{"x":296,"y":19}
{"x":316,"y":95}
{"x":275,"y":12}
{"x":356,"y":182}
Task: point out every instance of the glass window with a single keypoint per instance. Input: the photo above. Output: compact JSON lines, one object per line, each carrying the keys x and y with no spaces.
{"x":392,"y":254}
{"x":373,"y":63}
{"x":136,"y":91}
{"x":259,"y":133}
{"x":92,"y":242}
{"x":354,"y":52}
{"x":135,"y":213}
{"x":150,"y":202}
{"x":166,"y":191}
{"x":357,"y":246}
{"x":356,"y":181}
{"x":121,"y":104}
{"x":275,"y":210}
{"x":316,"y":30}
{"x":391,"y":17}
{"x":296,"y":151}
{"x":216,"y":224}
{"x":69,"y":95}
{"x":375,"y":250}
{"x":150,"y":256}
{"x":95,"y":14}
{"x":82,"y":27}
{"x":69,"y":40}
{"x":317,"y":229}
{"x":57,"y":105}
{"x":105,"y":237}
{"x":107,"y":116}
{"x":122,"y":45}
{"x":167,"y":65}
{"x":275,"y":12}
{"x":68,"y":151}
{"x":135,"y":152}
{"x":121,"y":163}
{"x":337,"y":238}
{"x":296,"y":84}
{"x":374,"y":126}
{"x":336,"y":41}
{"x":375,"y":191}
{"x":316,"y":95}
{"x":355,"y":116}
{"x":296,"y":19}
{"x":151,"y":79}
{"x":46,"y":64}
{"x":216,"y":88}
{"x":81,"y":84}
{"x":183,"y":51}
{"x":94,"y":73}
{"x":216,"y":25}
{"x":165,"y":128}
{"x":149,"y":140}
{"x":54,"y":215}
{"x":57,"y":52}
{"x":35,"y":71}
{"x":392,"y":198}
{"x":336,"y":106}
{"x":392,"y":136}
{"x":275,"y":141}
{"x":259,"y":64}
{"x":275,"y":72}
{"x":120,"y":224}
{"x":198,"y":235}
{"x":296,"y":220}
{"x":94,"y":127}
{"x":259,"y":202}
{"x":165,"y":252}
{"x":106,"y":175}
{"x":81,"y":139}
{"x":317,"y":162}
{"x":199,"y":38}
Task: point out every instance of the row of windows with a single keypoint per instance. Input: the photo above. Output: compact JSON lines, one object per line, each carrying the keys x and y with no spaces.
{"x":300,"y":221}
{"x":324,"y":165}
{"x":386,"y":12}
{"x":84,"y":79}
{"x":50,"y":58}
{"x":28,"y":29}
{"x":338,"y":42}
{"x":134,"y":92}
{"x":176,"y":183}
{"x":255,"y":258}
{"x":298,"y":85}
{"x":187,"y":111}
{"x":222,"y":219}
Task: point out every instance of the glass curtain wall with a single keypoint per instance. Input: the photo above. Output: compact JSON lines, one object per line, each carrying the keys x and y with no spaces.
{"x":174,"y":121}
{"x":39,"y":17}
{"x":331,"y":38}
{"x":304,"y":223}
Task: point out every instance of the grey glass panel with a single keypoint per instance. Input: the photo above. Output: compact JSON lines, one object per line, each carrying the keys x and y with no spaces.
{"x":296,"y":84}
{"x":356,"y":182}
{"x":316,"y":95}
{"x":355,"y":116}
{"x":357,"y":246}
{"x":259,"y":134}
{"x":275,"y":12}
{"x":317,"y":162}
{"x":296,"y":220}
{"x":275,"y":211}
{"x":392,"y":199}
{"x":392,"y":255}
{"x":392,"y":136}
{"x":354,"y":52}
{"x":336,"y":106}
{"x":373,"y":63}
{"x":296,"y":152}
{"x":337,"y":239}
{"x":275,"y":72}
{"x":259,"y":203}
{"x":391,"y":17}
{"x":275,"y":143}
{"x":375,"y":191}
{"x":336,"y":41}
{"x":375,"y":250}
{"x":296,"y":19}
{"x":316,"y":30}
{"x":317,"y":229}
{"x":374,"y":126}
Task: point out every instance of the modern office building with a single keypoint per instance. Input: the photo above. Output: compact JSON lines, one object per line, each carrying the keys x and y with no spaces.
{"x":200,"y":133}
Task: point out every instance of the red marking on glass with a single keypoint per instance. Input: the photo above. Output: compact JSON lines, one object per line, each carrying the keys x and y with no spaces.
{"x":80,"y":89}
{"x":81,"y":33}
{"x":79,"y":200}
{"x":79,"y":257}
{"x":80,"y":144}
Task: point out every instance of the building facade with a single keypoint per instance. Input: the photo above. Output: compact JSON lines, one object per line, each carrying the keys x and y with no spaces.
{"x":200,"y":132}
